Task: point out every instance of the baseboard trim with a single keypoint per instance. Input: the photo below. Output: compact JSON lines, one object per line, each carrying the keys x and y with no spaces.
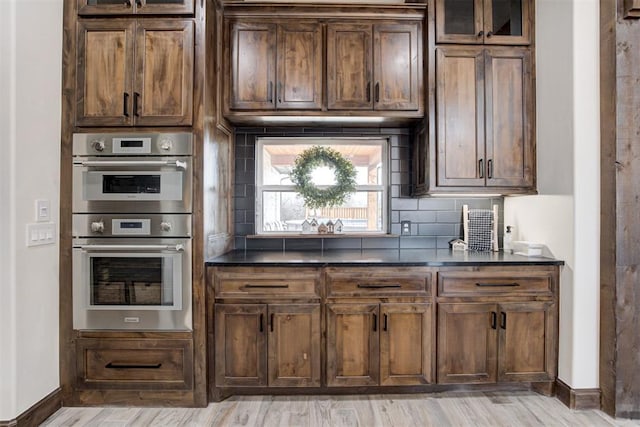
{"x":578,"y":398}
{"x":39,"y":412}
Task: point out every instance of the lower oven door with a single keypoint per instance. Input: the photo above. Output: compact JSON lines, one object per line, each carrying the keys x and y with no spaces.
{"x":132,"y":284}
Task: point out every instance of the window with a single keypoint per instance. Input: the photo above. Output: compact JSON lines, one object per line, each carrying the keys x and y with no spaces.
{"x":280,"y":210}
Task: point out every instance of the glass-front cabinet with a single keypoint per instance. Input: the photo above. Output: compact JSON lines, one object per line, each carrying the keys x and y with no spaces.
{"x":504,"y":22}
{"x":139,"y":7}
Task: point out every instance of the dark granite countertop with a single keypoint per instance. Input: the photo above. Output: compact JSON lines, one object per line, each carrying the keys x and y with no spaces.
{"x":391,"y":257}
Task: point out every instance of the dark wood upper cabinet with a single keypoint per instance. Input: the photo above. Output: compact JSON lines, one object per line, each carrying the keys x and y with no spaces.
{"x":253,"y":66}
{"x":135,"y":73}
{"x":460,"y":117}
{"x":374,"y":66}
{"x":349,"y":66}
{"x":299,"y":66}
{"x":276,"y":66}
{"x":484,"y":103}
{"x":140,"y":7}
{"x":505,"y":22}
{"x":397,"y":71}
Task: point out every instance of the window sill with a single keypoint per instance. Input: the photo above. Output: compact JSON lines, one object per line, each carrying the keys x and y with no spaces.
{"x":321,"y":236}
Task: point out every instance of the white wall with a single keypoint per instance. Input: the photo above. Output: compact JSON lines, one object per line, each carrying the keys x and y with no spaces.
{"x":30,"y":106}
{"x":565,"y":215}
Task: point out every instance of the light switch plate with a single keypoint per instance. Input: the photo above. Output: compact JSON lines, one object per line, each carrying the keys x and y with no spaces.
{"x":43,"y":210}
{"x":41,"y":233}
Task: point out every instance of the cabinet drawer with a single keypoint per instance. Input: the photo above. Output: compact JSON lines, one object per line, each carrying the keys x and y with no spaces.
{"x":266,"y":283}
{"x":135,"y":363}
{"x":473,"y":283}
{"x":378,"y":282}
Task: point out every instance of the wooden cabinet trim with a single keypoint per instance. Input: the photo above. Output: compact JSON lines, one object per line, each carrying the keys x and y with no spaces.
{"x":142,"y":8}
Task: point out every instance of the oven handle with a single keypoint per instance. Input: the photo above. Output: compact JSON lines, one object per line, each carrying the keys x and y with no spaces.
{"x":127,"y":163}
{"x":177,"y":248}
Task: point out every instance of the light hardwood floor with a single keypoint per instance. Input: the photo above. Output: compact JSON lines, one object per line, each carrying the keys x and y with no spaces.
{"x":519,"y":408}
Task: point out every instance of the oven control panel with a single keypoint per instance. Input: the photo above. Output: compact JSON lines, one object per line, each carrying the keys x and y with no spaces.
{"x":131,"y":225}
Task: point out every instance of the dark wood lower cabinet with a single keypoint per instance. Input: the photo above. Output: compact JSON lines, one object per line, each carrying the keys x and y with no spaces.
{"x":276,"y":345}
{"x":485,"y":343}
{"x":334,"y":329}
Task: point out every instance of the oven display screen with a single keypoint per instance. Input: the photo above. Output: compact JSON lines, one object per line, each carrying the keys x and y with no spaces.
{"x":131,"y":225}
{"x":131,"y":184}
{"x":131,"y":143}
{"x":129,"y":281}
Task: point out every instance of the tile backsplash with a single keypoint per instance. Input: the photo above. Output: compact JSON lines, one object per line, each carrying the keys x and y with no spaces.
{"x":434,"y":221}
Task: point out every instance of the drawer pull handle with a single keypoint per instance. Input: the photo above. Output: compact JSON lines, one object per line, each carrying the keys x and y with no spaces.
{"x":250,"y":286}
{"x":261,"y":322}
{"x":503,"y":320}
{"x":493,"y":320}
{"x":386,"y":322}
{"x":117,"y":365}
{"x":498,"y":285}
{"x":375,"y":322}
{"x":375,"y":286}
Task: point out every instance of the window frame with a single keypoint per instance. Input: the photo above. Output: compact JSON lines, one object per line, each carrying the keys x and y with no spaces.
{"x":261,"y":188}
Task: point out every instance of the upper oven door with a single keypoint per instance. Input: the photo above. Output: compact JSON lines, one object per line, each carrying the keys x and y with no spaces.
{"x":132,"y":184}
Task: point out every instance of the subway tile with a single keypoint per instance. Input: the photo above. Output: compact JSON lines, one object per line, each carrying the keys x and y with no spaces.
{"x":243,"y":203}
{"x":245,"y":229}
{"x":380,"y":243}
{"x":342,"y":243}
{"x":395,"y":166}
{"x":406,"y":190}
{"x":238,"y":216}
{"x":399,"y":153}
{"x":395,"y":191}
{"x":418,"y":216}
{"x":443,"y":241}
{"x":249,"y":177}
{"x":395,"y":216}
{"x":451,"y":217}
{"x":436,"y":229}
{"x":436,"y":204}
{"x":474,"y":203}
{"x":395,"y":131}
{"x":395,"y":229}
{"x":399,"y":178}
{"x":239,"y":165}
{"x":314,"y":244}
{"x":239,"y":190}
{"x":239,"y":242}
{"x":250,"y":217}
{"x":275,"y":244}
{"x":404,"y":204}
{"x":411,"y":242}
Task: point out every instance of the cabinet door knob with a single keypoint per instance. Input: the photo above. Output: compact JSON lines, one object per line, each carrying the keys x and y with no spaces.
{"x":481,"y":168}
{"x":489,"y":34}
{"x":378,"y":92}
{"x":490,"y":168}
{"x":480,"y":33}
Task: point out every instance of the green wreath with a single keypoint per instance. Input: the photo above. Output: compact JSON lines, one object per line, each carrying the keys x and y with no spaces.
{"x":314,"y":196}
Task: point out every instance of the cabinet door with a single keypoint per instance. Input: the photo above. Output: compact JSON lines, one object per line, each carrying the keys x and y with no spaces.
{"x":164,"y":73}
{"x":526,"y":351}
{"x":509,"y":118}
{"x":352,"y":344}
{"x":104,"y":73}
{"x":299,"y":66}
{"x":507,"y":21}
{"x":349,"y":67}
{"x":459,"y":21}
{"x":405,"y":344}
{"x":467,"y":343}
{"x":397,"y":63}
{"x":460,"y":117}
{"x":126,"y":7}
{"x":240,"y":345}
{"x":253,"y":66}
{"x":294,"y":345}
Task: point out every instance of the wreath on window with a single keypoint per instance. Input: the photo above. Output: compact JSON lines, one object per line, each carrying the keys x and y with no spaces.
{"x":319,"y":197}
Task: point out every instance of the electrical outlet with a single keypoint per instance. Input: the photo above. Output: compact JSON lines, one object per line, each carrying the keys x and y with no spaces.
{"x":405,"y":228}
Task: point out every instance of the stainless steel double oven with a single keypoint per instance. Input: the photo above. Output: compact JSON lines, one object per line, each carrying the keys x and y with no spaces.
{"x":132,"y":231}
